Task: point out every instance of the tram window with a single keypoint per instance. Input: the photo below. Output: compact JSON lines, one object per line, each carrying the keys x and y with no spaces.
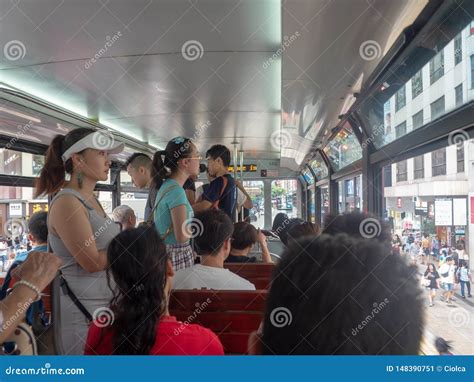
{"x":125,"y":179}
{"x":319,"y":167}
{"x":311,"y":205}
{"x":136,"y":201}
{"x":16,"y":206}
{"x":19,"y":163}
{"x":257,"y":213}
{"x":284,"y":198}
{"x":105,"y":199}
{"x":392,"y":105}
{"x":410,"y":206}
{"x":343,"y":149}
{"x":324,"y":202}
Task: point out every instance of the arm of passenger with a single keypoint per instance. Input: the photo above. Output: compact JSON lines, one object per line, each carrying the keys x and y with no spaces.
{"x":178,"y":218}
{"x":248,"y":201}
{"x":262,"y":240}
{"x":203,"y":205}
{"x":70,"y":220}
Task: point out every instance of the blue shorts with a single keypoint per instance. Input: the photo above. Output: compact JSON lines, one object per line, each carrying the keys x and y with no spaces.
{"x":448,"y":287}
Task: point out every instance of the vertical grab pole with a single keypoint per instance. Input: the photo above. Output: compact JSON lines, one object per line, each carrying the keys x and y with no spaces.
{"x":241,"y":163}
{"x":234,"y":155}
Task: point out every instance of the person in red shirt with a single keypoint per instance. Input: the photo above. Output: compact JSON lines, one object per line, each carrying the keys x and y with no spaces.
{"x":137,"y":322}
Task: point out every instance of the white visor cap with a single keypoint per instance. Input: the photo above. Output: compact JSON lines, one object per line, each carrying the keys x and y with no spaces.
{"x":99,"y":140}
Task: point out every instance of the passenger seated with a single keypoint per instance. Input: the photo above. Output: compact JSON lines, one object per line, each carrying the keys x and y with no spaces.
{"x":37,"y":234}
{"x":341,"y":295}
{"x":243,"y":239}
{"x":125,"y":217}
{"x":138,"y":320}
{"x":213,"y":243}
{"x":305,"y":229}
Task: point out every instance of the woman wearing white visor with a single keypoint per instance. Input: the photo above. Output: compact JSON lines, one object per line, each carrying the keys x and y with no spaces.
{"x":79,"y":228}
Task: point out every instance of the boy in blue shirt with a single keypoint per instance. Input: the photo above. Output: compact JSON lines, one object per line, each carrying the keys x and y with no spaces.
{"x":38,"y":235}
{"x":222,"y":191}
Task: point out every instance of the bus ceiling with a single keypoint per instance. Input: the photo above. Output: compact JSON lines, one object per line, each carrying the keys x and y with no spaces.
{"x":273,"y":76}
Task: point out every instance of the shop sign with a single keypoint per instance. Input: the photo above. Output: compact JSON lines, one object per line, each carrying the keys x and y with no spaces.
{"x":443,"y":212}
{"x":460,"y":211}
{"x":399,"y":202}
{"x":15,"y":209}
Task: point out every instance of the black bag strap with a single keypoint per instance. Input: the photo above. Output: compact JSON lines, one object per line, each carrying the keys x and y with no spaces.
{"x":66,"y":289}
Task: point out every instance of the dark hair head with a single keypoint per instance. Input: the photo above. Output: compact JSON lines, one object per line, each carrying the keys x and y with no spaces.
{"x":215,"y":227}
{"x":165,"y":162}
{"x":138,"y":262}
{"x":52,"y":176}
{"x":138,"y":160}
{"x":324,"y":299}
{"x":431,"y":264}
{"x":245,"y":235}
{"x":283,"y":234}
{"x":279,"y":221}
{"x":460,"y":245}
{"x":38,"y":226}
{"x":359,"y":225}
{"x":304,"y":229}
{"x":219,"y":151}
{"x":449,"y":258}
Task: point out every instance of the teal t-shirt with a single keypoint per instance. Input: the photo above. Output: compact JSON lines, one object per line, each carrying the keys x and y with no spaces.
{"x":175,"y":196}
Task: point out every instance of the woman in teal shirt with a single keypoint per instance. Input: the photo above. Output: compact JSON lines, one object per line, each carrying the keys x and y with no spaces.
{"x":173,"y":215}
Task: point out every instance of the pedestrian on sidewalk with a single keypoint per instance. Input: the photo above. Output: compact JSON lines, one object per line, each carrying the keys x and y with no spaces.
{"x":432,"y":275}
{"x":465,"y":278}
{"x":447,"y":273}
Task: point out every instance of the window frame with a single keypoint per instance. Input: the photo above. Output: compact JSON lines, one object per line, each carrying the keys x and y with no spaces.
{"x":438,"y":169}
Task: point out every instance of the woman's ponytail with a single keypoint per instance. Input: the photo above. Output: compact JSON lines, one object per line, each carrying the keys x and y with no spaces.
{"x":52,"y":175}
{"x":158,"y":169}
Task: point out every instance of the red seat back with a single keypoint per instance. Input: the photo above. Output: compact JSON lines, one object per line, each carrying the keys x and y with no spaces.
{"x":259,"y":274}
{"x":232,"y":315}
